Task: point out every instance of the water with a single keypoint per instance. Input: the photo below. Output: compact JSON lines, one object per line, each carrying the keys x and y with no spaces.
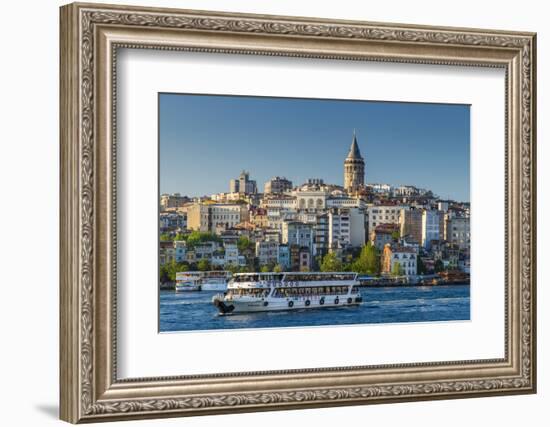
{"x":192,"y":311}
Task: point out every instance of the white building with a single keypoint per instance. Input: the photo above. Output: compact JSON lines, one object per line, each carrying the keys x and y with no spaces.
{"x":443,"y":206}
{"x":404,"y":257}
{"x":458,"y":231}
{"x":180,"y":247}
{"x":384,"y":214}
{"x":432,"y":227}
{"x":346,"y":228}
{"x":267,"y":252}
{"x":277,"y":185}
{"x":224,"y":216}
{"x":297,"y":233}
{"x":311,"y":200}
{"x":380,"y":188}
{"x":231,"y":254}
{"x":215,"y":217}
{"x":344,"y":202}
{"x":243,"y":184}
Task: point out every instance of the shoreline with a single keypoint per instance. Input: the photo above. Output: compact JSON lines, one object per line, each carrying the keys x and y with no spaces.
{"x":412,"y":285}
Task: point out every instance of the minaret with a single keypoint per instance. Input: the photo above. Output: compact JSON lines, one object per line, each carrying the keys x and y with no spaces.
{"x":354,"y":168}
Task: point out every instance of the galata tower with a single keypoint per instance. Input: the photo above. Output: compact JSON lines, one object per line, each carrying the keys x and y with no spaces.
{"x":354,"y":168}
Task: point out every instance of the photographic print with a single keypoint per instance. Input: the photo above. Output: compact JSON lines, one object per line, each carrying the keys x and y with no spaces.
{"x":290,"y":212}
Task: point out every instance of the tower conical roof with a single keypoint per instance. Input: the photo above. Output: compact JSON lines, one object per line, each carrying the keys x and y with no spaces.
{"x":354,"y":152}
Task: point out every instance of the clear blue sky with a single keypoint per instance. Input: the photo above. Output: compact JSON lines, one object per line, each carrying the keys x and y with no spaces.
{"x":205,"y":140}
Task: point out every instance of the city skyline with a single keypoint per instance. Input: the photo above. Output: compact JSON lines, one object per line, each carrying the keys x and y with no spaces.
{"x":424,"y":145}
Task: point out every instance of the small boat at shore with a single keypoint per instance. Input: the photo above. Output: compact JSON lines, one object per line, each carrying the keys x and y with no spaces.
{"x":215,"y":280}
{"x":257,"y":292}
{"x":188,"y":281}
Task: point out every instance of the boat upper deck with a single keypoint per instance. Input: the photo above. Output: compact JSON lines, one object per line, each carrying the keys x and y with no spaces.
{"x":292,"y":279}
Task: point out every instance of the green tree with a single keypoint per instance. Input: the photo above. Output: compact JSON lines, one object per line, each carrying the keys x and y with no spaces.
{"x":420,"y":266}
{"x":165,"y":237}
{"x":203,"y":265}
{"x":247,"y":248}
{"x":232,"y":268}
{"x":197,"y":237}
{"x":168,"y":271}
{"x":368,"y":261}
{"x":331,"y":262}
{"x":265,"y":269}
{"x":439,"y":266}
{"x":278,"y":268}
{"x":395,"y":235}
{"x":180,"y":236}
{"x":244,"y":244}
{"x":396,"y":269}
{"x":164,"y":274}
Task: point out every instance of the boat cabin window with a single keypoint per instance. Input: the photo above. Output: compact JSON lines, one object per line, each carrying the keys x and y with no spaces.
{"x":319,"y":277}
{"x":257,"y":277}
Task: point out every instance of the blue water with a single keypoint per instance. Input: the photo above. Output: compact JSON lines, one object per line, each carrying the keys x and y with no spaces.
{"x":192,"y":311}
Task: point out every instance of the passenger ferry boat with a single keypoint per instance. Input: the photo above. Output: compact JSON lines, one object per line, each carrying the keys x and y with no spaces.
{"x":215,"y":280}
{"x":254,"y":292}
{"x":202,"y":280}
{"x":187,"y":281}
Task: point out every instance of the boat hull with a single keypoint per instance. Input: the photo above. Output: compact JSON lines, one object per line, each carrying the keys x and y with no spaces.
{"x":255,"y":305}
{"x":188,"y":288}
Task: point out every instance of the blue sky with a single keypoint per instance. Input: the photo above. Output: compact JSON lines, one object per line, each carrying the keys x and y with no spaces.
{"x":205,"y":140}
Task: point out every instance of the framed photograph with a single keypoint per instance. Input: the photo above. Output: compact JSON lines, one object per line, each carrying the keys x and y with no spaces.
{"x":267,"y":213}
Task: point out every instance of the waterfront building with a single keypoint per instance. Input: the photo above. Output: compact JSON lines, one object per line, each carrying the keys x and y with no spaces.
{"x":175,"y":200}
{"x":432,"y":227}
{"x":295,"y":233}
{"x":277,"y":185}
{"x":399,"y":258}
{"x":321,"y":235}
{"x":458,"y":231}
{"x":409,"y":242}
{"x":272,"y":235}
{"x":205,"y":250}
{"x":410,"y":221}
{"x":354,"y":168}
{"x":443,"y":206}
{"x":267,"y":252}
{"x":167,"y":252}
{"x":218,"y":259}
{"x":279,"y":202}
{"x":215,"y":217}
{"x":346,"y":228}
{"x":227,"y":215}
{"x":383,"y":234}
{"x":198,"y":217}
{"x":259,"y":217}
{"x":311,"y":200}
{"x":283,"y":257}
{"x":380,"y":188}
{"x":172,"y":221}
{"x":305,"y":259}
{"x":384,"y":214}
{"x":300,"y":258}
{"x":406,"y":190}
{"x":243,"y":184}
{"x":231,"y":254}
{"x":227,"y":197}
{"x":180,"y":250}
{"x":344,"y":202}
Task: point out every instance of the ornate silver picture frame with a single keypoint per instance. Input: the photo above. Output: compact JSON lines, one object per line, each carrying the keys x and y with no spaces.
{"x":91,"y":35}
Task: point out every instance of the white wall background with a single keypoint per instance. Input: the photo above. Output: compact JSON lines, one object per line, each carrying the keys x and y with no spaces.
{"x":29,"y":170}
